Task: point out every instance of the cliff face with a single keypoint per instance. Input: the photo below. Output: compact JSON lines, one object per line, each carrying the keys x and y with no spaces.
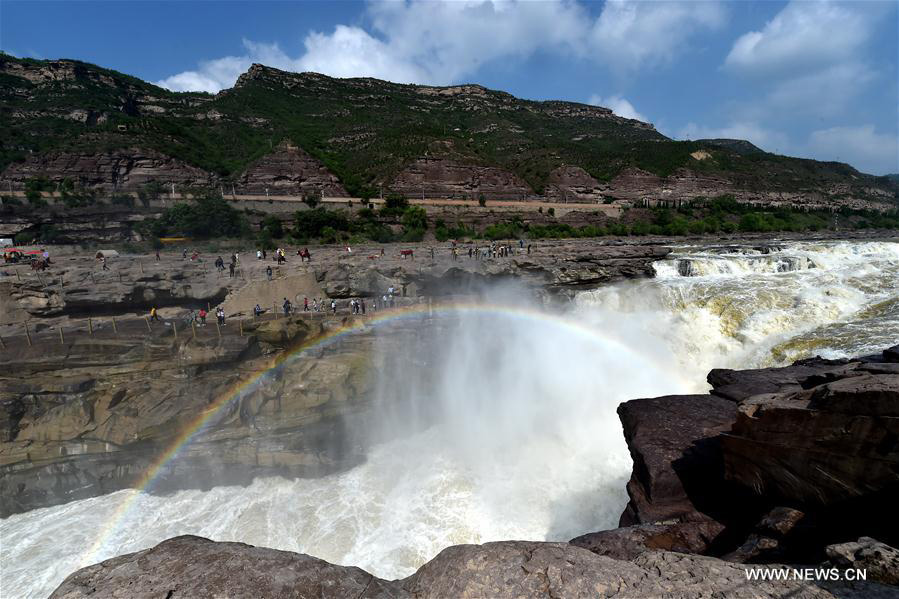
{"x":358,"y":136}
{"x":125,"y":169}
{"x":288,"y":170}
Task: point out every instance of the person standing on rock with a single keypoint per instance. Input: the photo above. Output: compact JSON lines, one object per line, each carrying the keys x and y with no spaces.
{"x":157,"y":255}
{"x":202,"y":315}
{"x":153,"y":314}
{"x":362,"y":305}
{"x":286,"y":307}
{"x":231,"y":270}
{"x":305,"y":304}
{"x":257,"y":311}
{"x":220,"y":315}
{"x":334,"y":306}
{"x":259,"y":254}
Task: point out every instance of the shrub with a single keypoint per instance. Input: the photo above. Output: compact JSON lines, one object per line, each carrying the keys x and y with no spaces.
{"x":272,"y":224}
{"x":309,"y":224}
{"x":415,"y":217}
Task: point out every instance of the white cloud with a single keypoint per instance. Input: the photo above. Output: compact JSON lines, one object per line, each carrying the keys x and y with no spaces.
{"x":861,"y":146}
{"x":804,"y":35}
{"x":443,"y":42}
{"x":619,"y":105}
{"x":632,"y":33}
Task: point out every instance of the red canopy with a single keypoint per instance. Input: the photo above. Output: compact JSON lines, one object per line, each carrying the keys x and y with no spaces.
{"x":34,"y":252}
{"x":12,"y":250}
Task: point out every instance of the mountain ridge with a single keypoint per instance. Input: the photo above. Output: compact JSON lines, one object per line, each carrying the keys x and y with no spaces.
{"x":108,"y":130}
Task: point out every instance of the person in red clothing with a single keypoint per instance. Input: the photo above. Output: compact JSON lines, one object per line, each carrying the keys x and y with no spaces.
{"x":202,"y":315}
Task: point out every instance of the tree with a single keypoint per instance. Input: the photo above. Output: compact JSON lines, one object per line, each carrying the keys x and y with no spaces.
{"x":273,"y":225}
{"x":311,"y":200}
{"x":415,"y":217}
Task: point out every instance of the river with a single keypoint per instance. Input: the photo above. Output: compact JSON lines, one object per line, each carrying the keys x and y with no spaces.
{"x":526,"y":443}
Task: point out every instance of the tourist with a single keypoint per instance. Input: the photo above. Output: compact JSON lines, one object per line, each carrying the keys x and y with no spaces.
{"x":231,"y":270}
{"x":259,"y":254}
{"x":469,"y":252}
{"x":334,"y":306}
{"x":220,"y":315}
{"x":105,"y":267}
{"x":257,"y":311}
{"x":157,"y":255}
{"x":315,"y":304}
{"x":202,"y":317}
{"x":153,"y":314}
{"x":220,"y":264}
{"x":264,"y":254}
{"x":286,"y":307}
{"x":268,"y":272}
{"x":305,"y":304}
{"x":184,"y":254}
{"x":362,"y":305}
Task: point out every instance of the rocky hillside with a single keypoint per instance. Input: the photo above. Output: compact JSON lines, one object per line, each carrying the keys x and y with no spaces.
{"x":297,"y":133}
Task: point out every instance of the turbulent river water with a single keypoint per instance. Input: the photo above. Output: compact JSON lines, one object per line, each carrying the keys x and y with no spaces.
{"x":527,"y":444}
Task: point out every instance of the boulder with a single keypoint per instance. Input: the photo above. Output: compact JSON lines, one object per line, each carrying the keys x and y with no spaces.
{"x":672,"y":442}
{"x":628,"y":542}
{"x":879,"y":560}
{"x":190,"y":566}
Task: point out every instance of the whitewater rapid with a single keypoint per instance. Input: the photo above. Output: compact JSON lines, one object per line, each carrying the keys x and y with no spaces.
{"x":527,"y":444}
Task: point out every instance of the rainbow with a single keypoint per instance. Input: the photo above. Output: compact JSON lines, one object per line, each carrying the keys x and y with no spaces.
{"x":239,"y":390}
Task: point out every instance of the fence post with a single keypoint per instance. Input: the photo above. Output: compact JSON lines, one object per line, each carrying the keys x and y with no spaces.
{"x":18,"y":278}
{"x":193,"y":329}
{"x":62,"y":339}
{"x":240,"y":326}
{"x":218,"y":329}
{"x":27,"y":334}
{"x":115,"y":329}
{"x":175,"y":329}
{"x":90,"y":326}
{"x":140,"y":265}
{"x":147,"y":320}
{"x":2,"y":344}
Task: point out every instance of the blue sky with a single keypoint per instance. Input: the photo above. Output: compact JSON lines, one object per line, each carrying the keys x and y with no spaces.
{"x":815,"y":79}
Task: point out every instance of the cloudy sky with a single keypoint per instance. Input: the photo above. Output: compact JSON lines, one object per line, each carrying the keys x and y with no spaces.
{"x":815,"y":79}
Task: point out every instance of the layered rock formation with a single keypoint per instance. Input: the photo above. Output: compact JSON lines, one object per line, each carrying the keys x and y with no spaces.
{"x":445,"y":178}
{"x":124,"y":169}
{"x":290,"y":171}
{"x":89,"y":415}
{"x":773,"y":464}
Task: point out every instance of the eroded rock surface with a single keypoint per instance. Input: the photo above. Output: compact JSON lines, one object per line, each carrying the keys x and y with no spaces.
{"x":192,"y":567}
